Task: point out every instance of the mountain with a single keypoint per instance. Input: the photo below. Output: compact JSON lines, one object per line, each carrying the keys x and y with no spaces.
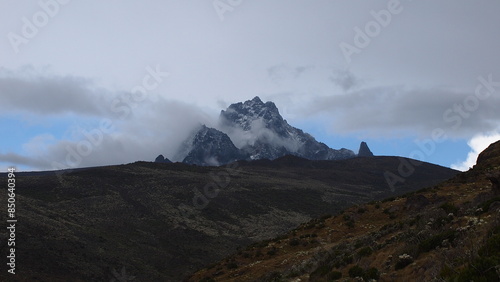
{"x":162,"y":159}
{"x":164,"y":221}
{"x":446,"y":232}
{"x":209,"y":146}
{"x":259,"y":132}
{"x":364,"y":151}
{"x":264,"y":134}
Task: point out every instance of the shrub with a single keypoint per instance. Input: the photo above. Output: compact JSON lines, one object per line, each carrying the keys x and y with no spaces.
{"x":294,"y":242}
{"x":356,"y":271}
{"x":350,"y":223}
{"x":232,"y":265}
{"x":362,"y":210}
{"x":274,"y":277}
{"x":434,"y":241}
{"x":449,"y":208}
{"x":364,"y":252}
{"x":322,"y":270}
{"x":334,"y":275}
{"x":372,"y":273}
{"x":486,"y":205}
{"x":272,"y":252}
{"x":389,"y":199}
{"x":403,"y":261}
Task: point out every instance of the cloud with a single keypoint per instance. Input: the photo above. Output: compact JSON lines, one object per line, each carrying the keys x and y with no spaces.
{"x":98,"y":136}
{"x":345,"y":79}
{"x":395,"y":110}
{"x":477,"y":144}
{"x":258,"y":132}
{"x":15,"y":159}
{"x":30,"y":91}
{"x":283,"y":73}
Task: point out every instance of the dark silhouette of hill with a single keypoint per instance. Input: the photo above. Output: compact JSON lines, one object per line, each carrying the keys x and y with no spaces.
{"x":163,"y":221}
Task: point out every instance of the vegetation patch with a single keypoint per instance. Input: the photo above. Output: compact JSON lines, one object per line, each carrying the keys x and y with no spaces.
{"x":435,"y":241}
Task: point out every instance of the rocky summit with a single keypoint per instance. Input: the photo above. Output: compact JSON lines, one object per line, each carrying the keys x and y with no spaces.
{"x":364,"y":151}
{"x":209,"y":146}
{"x":255,"y":130}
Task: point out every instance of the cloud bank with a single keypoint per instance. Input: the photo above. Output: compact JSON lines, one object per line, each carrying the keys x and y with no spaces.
{"x":98,"y":135}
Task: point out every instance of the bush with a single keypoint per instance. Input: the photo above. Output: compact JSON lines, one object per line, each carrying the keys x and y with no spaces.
{"x":322,"y":270}
{"x":364,"y":252}
{"x":272,"y":252}
{"x":294,"y":242}
{"x":232,"y":265}
{"x":274,"y":277}
{"x":334,"y":275}
{"x":362,"y":210}
{"x":372,"y":273}
{"x":402,"y":264}
{"x":356,"y":271}
{"x":435,"y":241}
{"x":486,"y":205}
{"x":350,"y":223}
{"x":449,"y":208}
{"x":403,"y":261}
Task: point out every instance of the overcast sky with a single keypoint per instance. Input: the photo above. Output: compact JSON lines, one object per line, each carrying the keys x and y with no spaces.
{"x":131,"y":78}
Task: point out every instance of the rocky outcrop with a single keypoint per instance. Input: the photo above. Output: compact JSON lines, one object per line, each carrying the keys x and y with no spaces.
{"x":364,"y":151}
{"x":212,"y":147}
{"x":162,"y":159}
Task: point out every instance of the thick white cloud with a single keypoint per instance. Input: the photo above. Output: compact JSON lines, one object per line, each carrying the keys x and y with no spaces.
{"x":477,"y":145}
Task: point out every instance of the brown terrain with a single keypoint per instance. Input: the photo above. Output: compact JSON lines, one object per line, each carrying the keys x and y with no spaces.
{"x":447,"y":232}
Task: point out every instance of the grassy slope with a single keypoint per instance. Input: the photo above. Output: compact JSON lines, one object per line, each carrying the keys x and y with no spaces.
{"x":448,"y":231}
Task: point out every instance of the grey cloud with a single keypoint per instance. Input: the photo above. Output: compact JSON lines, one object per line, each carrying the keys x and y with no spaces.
{"x":157,"y":128}
{"x":282,"y":72}
{"x":13,"y":158}
{"x":49,"y":95}
{"x":150,"y":127}
{"x":345,"y":79}
{"x":396,"y":110}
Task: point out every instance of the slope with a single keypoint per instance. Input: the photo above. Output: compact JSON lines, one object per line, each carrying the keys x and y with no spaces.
{"x":160,"y":222}
{"x":448,"y":232}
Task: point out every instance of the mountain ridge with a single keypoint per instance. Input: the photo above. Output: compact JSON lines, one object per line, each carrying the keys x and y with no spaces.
{"x":257,"y":131}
